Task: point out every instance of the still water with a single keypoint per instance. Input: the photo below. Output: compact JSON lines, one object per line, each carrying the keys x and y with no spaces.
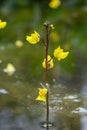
{"x":20,"y":111}
{"x":67,"y":109}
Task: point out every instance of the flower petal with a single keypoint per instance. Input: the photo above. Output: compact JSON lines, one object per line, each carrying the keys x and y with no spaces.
{"x":60,"y":54}
{"x":42,"y":94}
{"x":2,"y":24}
{"x":50,"y":63}
{"x":33,"y":38}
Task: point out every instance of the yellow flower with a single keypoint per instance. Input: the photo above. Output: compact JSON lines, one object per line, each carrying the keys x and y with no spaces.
{"x":54,"y":4}
{"x":33,"y":38}
{"x":50,"y":63}
{"x":2,"y":24}
{"x":10,"y":69}
{"x":42,"y":94}
{"x":19,"y":43}
{"x":60,"y":54}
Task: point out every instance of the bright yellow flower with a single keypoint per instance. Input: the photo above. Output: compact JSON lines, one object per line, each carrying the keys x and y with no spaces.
{"x":10,"y":69}
{"x":54,"y":4}
{"x":2,"y":24}
{"x":50,"y":63}
{"x":60,"y":54}
{"x":19,"y":43}
{"x":33,"y":38}
{"x":42,"y":94}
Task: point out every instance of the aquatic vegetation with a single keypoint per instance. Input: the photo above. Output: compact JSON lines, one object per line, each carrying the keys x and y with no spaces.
{"x":71,"y":30}
{"x":47,"y":63}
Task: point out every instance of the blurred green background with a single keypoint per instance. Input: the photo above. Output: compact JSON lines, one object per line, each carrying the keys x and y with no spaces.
{"x":70,"y":21}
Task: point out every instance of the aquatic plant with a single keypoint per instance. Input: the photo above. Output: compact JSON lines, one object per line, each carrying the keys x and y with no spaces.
{"x":48,"y":63}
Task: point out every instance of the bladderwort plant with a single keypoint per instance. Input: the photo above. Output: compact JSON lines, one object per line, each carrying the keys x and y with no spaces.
{"x":47,"y":63}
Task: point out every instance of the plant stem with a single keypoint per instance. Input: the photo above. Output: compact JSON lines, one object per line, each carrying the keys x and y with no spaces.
{"x":46,"y":75}
{"x":47,"y":108}
{"x":47,"y":47}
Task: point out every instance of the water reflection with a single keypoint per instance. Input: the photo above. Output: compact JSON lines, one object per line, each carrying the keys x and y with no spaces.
{"x":83,"y":122}
{"x":11,"y":121}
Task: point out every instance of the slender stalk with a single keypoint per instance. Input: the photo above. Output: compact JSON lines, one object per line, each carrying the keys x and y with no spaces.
{"x":47,"y":47}
{"x":46,"y":74}
{"x":47,"y":108}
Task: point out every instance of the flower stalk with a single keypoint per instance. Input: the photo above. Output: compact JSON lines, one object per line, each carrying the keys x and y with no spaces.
{"x":47,"y":63}
{"x":47,"y":46}
{"x":47,"y":107}
{"x":46,"y":74}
